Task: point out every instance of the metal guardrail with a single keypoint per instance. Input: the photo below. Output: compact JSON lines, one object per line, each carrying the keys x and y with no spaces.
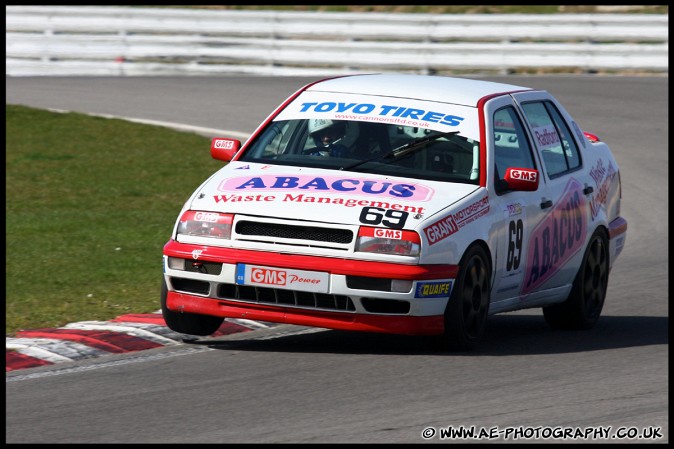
{"x":64,"y":40}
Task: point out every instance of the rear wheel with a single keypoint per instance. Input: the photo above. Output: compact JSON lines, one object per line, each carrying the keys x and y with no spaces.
{"x":188,"y":323}
{"x":582,"y":308}
{"x":468,"y":306}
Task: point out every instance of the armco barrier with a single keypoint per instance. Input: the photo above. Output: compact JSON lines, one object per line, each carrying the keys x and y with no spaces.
{"x":93,"y":40}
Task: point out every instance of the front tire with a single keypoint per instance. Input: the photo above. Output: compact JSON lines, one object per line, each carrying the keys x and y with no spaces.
{"x":583,"y":307}
{"x":188,"y":323}
{"x":468,"y":306}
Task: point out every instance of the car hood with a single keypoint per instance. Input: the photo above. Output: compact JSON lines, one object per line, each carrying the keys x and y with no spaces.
{"x":326,"y":196}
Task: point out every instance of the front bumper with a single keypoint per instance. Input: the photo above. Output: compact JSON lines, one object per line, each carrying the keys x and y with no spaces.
{"x":354,"y":296}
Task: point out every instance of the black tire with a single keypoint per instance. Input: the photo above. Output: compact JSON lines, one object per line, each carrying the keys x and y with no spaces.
{"x":583,"y":307}
{"x":188,"y":323}
{"x":468,"y":307}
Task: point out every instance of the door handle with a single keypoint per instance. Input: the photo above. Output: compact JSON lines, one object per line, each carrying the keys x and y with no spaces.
{"x":546,"y":203}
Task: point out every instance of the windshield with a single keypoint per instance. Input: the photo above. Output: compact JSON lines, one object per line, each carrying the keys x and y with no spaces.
{"x":381,"y":148}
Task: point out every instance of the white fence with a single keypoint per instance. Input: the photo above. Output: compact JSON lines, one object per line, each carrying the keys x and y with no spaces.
{"x":92,"y":40}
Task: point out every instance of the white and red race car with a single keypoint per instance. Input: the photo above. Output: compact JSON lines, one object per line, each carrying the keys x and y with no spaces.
{"x":402,"y":204}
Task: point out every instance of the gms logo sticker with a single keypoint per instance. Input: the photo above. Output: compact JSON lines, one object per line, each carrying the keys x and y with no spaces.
{"x":433,"y":289}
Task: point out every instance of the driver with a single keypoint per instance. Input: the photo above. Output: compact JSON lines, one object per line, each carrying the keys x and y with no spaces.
{"x":327,"y":135}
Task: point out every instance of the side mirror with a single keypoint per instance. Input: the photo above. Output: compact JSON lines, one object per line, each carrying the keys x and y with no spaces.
{"x":224,"y":149}
{"x":521,"y":179}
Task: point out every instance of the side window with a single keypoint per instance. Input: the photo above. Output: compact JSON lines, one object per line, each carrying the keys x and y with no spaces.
{"x":570,"y":148}
{"x":511,"y":147}
{"x":553,"y":138}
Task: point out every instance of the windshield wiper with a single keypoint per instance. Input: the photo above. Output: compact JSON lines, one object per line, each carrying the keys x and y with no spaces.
{"x":403,"y":150}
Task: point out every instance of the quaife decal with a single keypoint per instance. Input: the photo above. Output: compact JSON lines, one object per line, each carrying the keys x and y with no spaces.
{"x":328,"y":184}
{"x":447,"y":226}
{"x":557,"y":237}
{"x":433,"y":289}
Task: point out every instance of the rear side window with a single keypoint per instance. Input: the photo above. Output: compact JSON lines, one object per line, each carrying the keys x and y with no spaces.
{"x":552,"y":137}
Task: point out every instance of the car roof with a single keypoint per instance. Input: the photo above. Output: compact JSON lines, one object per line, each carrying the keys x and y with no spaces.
{"x":444,"y":89}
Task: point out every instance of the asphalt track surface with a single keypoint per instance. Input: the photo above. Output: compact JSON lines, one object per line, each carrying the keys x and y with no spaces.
{"x":287,"y":384}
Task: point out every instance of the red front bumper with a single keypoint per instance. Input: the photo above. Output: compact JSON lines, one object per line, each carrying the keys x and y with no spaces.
{"x":390,"y":324}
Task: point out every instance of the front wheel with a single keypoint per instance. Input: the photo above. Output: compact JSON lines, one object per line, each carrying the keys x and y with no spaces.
{"x":468,"y":306}
{"x":582,"y":308}
{"x":188,"y":323}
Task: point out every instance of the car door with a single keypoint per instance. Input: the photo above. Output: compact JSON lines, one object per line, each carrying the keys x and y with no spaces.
{"x":517,"y":213}
{"x":556,"y":245}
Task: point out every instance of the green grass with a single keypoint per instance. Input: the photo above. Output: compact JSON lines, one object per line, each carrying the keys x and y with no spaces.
{"x":90,"y":202}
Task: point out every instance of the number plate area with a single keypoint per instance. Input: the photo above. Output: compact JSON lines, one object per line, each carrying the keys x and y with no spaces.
{"x":285,"y":278}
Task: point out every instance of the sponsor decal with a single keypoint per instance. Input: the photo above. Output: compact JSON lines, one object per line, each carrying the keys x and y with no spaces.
{"x":524,"y":175}
{"x":346,"y":202}
{"x":243,"y":167}
{"x":223,"y":144}
{"x":546,"y":136}
{"x":557,"y":238}
{"x":388,"y":233}
{"x":196,"y":253}
{"x":603,"y":177}
{"x":397,"y":111}
{"x":328,"y":184}
{"x":210,"y":217}
{"x":433,"y":289}
{"x":512,"y":209}
{"x":287,"y":279}
{"x":447,"y":226}
{"x":394,"y":113}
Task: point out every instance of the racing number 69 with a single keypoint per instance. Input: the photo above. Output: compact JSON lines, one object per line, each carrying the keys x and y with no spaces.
{"x":515,"y":235}
{"x":374,"y":216}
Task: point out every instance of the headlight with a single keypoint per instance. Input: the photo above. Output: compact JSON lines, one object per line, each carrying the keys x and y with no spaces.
{"x":388,"y":241}
{"x":206,"y":224}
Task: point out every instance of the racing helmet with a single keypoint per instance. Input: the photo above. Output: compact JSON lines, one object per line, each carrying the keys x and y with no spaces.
{"x":321,"y":127}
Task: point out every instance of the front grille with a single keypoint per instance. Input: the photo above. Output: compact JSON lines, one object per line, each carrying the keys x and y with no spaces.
{"x":276,"y":230}
{"x":281,"y":297}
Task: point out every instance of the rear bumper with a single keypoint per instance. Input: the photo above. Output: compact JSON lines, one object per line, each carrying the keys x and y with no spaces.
{"x":617,"y":234}
{"x":391,"y":324}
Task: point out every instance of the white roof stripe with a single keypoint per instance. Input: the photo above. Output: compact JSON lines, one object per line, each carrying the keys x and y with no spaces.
{"x":444,"y":89}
